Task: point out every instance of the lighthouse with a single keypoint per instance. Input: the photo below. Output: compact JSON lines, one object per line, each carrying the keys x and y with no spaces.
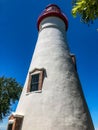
{"x":52,"y":97}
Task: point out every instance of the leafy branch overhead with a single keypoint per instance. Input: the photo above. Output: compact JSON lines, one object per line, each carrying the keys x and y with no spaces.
{"x":10,"y":91}
{"x":87,"y":9}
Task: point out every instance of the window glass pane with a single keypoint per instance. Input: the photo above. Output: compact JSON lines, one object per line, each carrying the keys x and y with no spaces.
{"x":34,"y":82}
{"x":35,"y":78}
{"x":34,"y":87}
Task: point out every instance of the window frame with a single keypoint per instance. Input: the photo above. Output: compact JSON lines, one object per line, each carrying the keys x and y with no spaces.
{"x":41,"y":77}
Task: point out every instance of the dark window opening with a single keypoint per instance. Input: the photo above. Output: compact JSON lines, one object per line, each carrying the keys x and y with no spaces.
{"x":10,"y":126}
{"x":34,"y":82}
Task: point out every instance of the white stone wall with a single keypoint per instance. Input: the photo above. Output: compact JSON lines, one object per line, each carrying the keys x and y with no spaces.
{"x":60,"y":105}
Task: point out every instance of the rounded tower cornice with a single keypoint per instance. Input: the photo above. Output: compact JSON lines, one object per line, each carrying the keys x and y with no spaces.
{"x":52,"y":10}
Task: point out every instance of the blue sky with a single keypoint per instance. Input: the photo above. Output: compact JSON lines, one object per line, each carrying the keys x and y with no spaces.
{"x":18,"y":35}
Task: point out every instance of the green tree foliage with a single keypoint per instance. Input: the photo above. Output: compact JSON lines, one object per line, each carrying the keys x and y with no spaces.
{"x":10,"y":91}
{"x":87,"y":9}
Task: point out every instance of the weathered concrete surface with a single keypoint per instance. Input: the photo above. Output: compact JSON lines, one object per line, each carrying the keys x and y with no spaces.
{"x":61,"y":104}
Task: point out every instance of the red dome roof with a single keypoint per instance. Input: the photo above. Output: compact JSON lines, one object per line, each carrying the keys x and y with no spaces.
{"x":52,"y":10}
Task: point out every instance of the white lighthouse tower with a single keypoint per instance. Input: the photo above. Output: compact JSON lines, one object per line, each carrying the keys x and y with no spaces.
{"x":52,"y":97}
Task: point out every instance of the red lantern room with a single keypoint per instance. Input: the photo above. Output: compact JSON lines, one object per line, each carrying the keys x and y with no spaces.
{"x":52,"y":10}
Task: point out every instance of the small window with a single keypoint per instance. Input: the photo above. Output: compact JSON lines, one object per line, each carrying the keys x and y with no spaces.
{"x":35,"y":80}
